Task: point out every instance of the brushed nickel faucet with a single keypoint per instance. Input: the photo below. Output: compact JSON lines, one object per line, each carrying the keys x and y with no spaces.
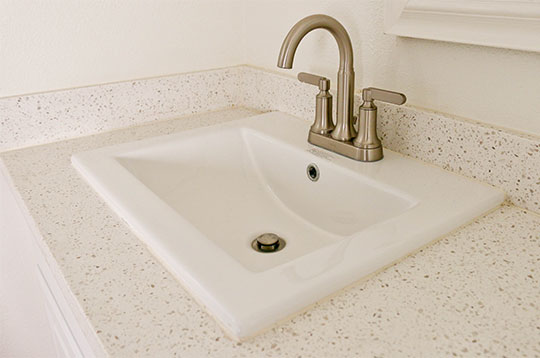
{"x":342,"y":137}
{"x":344,"y":130}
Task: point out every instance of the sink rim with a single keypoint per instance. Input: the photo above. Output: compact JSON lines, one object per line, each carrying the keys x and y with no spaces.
{"x":258,"y":307}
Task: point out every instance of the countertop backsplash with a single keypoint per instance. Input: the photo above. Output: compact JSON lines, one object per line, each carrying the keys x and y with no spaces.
{"x":497,"y":156}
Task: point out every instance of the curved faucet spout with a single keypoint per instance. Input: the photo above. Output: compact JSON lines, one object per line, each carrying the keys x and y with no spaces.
{"x":308,"y":24}
{"x":344,"y":129}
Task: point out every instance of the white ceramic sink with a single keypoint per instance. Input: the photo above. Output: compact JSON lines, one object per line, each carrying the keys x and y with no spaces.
{"x":198,"y":198}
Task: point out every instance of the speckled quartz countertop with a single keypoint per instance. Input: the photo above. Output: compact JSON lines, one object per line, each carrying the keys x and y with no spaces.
{"x":474,"y":293}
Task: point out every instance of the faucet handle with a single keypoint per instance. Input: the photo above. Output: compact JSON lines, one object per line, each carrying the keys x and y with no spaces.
{"x":316,"y":80}
{"x":323,"y":123}
{"x":369,"y":94}
{"x":367,"y":139}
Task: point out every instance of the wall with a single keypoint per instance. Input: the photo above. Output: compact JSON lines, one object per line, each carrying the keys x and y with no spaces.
{"x":47,"y":45}
{"x":495,"y":86}
{"x":65,"y":43}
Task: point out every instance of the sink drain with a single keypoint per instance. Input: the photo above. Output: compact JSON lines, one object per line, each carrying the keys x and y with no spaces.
{"x":313,"y":172}
{"x":268,"y":242}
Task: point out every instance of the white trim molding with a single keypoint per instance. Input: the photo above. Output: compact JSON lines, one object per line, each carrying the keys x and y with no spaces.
{"x":509,"y":24}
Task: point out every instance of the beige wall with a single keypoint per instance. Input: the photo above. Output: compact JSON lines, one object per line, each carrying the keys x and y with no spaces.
{"x":66,"y":43}
{"x":53,"y":44}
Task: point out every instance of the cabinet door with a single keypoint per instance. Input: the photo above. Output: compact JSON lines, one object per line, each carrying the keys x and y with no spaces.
{"x":36,"y":320}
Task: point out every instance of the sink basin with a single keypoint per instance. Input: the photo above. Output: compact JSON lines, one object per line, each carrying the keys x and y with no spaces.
{"x":199,"y":198}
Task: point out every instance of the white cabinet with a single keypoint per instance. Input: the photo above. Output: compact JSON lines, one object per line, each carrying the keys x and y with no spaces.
{"x":36,"y":318}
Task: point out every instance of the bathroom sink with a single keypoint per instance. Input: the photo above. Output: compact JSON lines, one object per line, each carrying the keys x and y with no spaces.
{"x":200,"y":198}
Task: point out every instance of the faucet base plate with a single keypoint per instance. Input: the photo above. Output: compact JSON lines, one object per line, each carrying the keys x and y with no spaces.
{"x":346,"y":148}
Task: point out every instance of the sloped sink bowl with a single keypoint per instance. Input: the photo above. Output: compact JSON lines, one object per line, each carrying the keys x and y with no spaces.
{"x":199,"y":198}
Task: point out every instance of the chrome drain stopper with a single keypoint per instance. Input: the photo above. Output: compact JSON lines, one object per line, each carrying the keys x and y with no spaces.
{"x":268,"y":242}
